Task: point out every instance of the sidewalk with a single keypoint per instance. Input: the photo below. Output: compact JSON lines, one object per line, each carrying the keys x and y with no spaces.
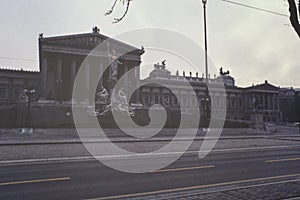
{"x":69,"y":136}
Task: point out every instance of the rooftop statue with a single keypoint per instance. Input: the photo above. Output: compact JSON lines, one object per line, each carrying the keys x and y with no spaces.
{"x":162,"y":66}
{"x":156,"y":66}
{"x":224,"y":73}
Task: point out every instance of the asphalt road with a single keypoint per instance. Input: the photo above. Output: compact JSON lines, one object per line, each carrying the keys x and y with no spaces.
{"x":225,"y":170}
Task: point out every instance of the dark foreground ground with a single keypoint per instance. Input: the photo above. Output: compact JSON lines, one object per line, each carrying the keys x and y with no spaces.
{"x":262,"y":167}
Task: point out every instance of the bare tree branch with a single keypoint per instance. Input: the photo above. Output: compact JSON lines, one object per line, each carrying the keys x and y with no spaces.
{"x":112,"y":8}
{"x":116,"y":20}
{"x":294,"y":16}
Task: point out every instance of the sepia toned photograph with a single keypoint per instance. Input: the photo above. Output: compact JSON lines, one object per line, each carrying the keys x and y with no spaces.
{"x":150,"y":100}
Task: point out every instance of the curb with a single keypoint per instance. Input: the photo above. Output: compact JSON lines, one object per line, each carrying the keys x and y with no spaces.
{"x":49,"y":142}
{"x":85,"y":158}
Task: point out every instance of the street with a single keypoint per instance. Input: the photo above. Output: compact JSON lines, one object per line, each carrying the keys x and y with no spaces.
{"x":270,"y":172}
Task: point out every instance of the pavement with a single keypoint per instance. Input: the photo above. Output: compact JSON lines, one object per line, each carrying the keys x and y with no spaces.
{"x":68,"y":136}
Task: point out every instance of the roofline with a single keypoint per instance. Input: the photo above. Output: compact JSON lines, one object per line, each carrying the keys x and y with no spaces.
{"x":47,"y":39}
{"x":254,"y":87}
{"x":18,"y":70}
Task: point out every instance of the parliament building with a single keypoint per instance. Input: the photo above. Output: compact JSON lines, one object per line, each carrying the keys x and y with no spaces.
{"x":59,"y":61}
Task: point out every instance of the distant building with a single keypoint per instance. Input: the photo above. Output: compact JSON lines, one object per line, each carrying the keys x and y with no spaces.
{"x":266,"y":100}
{"x":240,"y":102}
{"x":13,"y":83}
{"x":297,"y":103}
{"x":61,"y":57}
{"x":287,"y":102}
{"x":59,"y":61}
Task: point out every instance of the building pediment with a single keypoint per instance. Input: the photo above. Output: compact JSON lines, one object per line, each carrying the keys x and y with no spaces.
{"x":265,"y":86}
{"x":86,"y":41}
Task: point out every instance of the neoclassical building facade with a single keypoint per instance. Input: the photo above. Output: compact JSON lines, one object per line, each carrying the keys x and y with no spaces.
{"x":61,"y":57}
{"x":13,"y":82}
{"x":238,"y":102}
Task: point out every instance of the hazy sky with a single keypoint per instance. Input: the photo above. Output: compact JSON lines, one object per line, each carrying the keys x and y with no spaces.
{"x":254,"y":45}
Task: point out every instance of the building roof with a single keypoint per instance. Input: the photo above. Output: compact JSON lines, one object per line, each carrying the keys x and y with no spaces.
{"x":86,"y":41}
{"x":161,"y":74}
{"x":20,"y":73}
{"x":264,"y":86}
{"x":21,"y":70}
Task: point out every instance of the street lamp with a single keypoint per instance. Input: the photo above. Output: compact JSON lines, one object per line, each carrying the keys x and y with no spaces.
{"x":207,"y":100}
{"x":205,"y":40}
{"x":29,"y":94}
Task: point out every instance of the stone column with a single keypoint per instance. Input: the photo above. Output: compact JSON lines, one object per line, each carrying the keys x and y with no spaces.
{"x":269,"y":102}
{"x":87,"y":83}
{"x":59,"y":69}
{"x":137,"y":76}
{"x":252,"y":101}
{"x":151,"y":96}
{"x":101,"y":75}
{"x":10,"y":95}
{"x":264,"y":102}
{"x":73,"y":72}
{"x":126,"y":77}
{"x":273,"y":101}
{"x":73,"y":76}
{"x":59,"y":80}
{"x":277,"y":102}
{"x":161,"y":97}
{"x":44,"y":68}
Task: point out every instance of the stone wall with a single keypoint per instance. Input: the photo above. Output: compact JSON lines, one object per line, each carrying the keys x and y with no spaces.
{"x":56,"y":115}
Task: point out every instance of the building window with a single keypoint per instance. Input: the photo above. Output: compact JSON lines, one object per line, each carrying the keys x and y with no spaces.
{"x":156,"y":100}
{"x":166,"y":100}
{"x":3,"y":93}
{"x":175,"y":100}
{"x":18,"y":93}
{"x":233,"y":103}
{"x":240,"y":103}
{"x":193,"y":101}
{"x":146,"y":99}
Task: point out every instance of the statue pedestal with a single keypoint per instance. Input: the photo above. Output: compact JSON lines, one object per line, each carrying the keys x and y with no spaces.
{"x":257,"y":121}
{"x":112,"y":83}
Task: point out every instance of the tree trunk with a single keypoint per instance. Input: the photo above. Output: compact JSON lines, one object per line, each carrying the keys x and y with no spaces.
{"x":294,"y":16}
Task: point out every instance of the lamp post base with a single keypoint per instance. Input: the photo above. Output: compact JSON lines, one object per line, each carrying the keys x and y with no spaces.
{"x":26,"y":130}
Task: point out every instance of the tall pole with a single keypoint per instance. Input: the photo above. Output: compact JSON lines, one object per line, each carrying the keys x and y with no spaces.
{"x":205,"y":41}
{"x":28,"y":110}
{"x":28,"y":93}
{"x":206,"y":101}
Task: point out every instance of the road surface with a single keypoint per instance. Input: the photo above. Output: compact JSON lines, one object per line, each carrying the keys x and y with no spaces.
{"x":243,"y":173}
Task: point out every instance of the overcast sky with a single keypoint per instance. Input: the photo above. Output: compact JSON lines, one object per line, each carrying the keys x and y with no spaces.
{"x":254,"y":45}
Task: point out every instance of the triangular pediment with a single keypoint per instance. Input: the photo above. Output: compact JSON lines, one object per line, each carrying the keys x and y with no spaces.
{"x":265,"y":86}
{"x":86,"y":41}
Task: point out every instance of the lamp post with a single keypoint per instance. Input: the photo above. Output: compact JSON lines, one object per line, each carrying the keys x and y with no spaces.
{"x":205,"y":40}
{"x":29,"y":94}
{"x":206,"y":99}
